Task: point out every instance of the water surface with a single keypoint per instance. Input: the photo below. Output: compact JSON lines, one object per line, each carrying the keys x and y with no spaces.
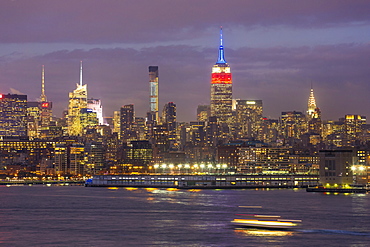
{"x":80,"y":216}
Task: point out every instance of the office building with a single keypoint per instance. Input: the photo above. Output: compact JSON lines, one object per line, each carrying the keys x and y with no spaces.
{"x":221,"y":88}
{"x":77,"y":101}
{"x":96,"y":106}
{"x":45,"y":106}
{"x":13,"y":115}
{"x":293,"y":124}
{"x":169,"y":119}
{"x":127,"y":117}
{"x":203,"y":113}
{"x":248,"y":122}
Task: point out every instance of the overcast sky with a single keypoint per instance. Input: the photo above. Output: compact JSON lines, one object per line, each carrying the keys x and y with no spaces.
{"x":276,"y":49}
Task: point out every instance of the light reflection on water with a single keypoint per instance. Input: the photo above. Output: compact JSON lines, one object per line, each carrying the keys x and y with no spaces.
{"x":78,"y":216}
{"x":262,"y":233}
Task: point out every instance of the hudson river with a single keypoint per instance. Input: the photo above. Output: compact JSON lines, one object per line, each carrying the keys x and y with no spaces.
{"x":79,"y":216}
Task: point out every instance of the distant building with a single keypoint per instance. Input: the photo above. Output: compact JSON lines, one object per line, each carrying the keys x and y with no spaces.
{"x":13,"y":115}
{"x":353,"y":127}
{"x":203,"y":113}
{"x":221,"y":88}
{"x":45,"y":106}
{"x":127,"y":118}
{"x":153,"y":82}
{"x":248,"y":118}
{"x":77,"y":101}
{"x":88,"y":118}
{"x":169,"y":119}
{"x":311,"y":106}
{"x":96,"y":106}
{"x":293,"y":124}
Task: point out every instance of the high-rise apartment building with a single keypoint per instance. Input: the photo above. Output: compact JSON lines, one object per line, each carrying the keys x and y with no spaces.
{"x":221,"y":88}
{"x":153,"y":82}
{"x":169,"y":119}
{"x":127,"y":118}
{"x":13,"y":115}
{"x":248,"y":118}
{"x":77,"y":101}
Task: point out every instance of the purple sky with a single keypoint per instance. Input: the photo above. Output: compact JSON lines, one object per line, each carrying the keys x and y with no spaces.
{"x":276,"y":49}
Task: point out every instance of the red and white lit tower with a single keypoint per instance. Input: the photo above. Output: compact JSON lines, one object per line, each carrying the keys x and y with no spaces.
{"x":221,"y":88}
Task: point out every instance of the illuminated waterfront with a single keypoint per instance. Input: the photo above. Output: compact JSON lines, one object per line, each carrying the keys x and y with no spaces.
{"x":79,"y":216}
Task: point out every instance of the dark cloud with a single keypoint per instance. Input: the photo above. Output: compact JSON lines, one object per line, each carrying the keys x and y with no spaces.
{"x":146,"y":21}
{"x":280,"y":76}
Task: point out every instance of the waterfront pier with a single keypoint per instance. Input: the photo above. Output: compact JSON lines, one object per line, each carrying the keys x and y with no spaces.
{"x":204,"y":181}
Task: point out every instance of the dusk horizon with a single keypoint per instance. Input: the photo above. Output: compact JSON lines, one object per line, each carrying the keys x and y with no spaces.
{"x":276,"y":50}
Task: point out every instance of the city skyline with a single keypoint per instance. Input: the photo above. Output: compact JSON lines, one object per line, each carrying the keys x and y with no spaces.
{"x":276,"y":52}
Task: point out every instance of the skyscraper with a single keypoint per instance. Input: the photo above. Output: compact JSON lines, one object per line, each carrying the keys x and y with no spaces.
{"x":311,"y":106}
{"x":96,"y":106}
{"x":169,"y":119}
{"x":313,"y":115}
{"x":45,"y":106}
{"x":248,"y":118}
{"x":13,"y":115}
{"x":153,"y":81}
{"x":221,"y":88}
{"x":77,"y":101}
{"x":127,"y":118}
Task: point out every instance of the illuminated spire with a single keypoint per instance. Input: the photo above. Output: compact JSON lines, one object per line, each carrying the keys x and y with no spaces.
{"x":43,"y":96}
{"x":221,"y":58}
{"x":80,"y":73}
{"x":311,"y":104}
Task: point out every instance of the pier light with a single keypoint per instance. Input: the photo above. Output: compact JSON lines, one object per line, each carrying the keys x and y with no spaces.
{"x":179,"y":166}
{"x":361,"y":168}
{"x":195,"y":166}
{"x":353,"y":168}
{"x":187,"y":166}
{"x":224,"y":166}
{"x":202,"y":166}
{"x":156,"y":166}
{"x":164,"y":166}
{"x":218,"y":166}
{"x":210,"y":166}
{"x":171,"y":166}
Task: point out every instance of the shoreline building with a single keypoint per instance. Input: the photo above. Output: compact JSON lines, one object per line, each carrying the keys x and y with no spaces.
{"x":221,"y":88}
{"x":77,"y":101}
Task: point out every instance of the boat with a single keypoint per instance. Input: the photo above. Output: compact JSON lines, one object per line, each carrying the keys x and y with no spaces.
{"x":266,"y":222}
{"x":337,"y":189}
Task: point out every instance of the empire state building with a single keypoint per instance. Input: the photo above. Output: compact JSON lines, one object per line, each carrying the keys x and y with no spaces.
{"x":221,"y":88}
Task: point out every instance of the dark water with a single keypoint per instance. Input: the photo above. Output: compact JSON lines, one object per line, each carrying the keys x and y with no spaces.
{"x":79,"y":216}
